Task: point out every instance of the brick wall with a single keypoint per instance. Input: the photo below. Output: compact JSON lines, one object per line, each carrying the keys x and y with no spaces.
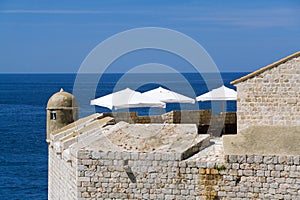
{"x":270,"y":98}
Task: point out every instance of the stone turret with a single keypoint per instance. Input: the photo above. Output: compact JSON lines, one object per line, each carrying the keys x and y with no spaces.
{"x":62,"y":109}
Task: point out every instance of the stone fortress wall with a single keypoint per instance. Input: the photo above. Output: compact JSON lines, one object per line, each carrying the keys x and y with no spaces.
{"x":271,"y":97}
{"x":217,"y":124}
{"x":134,"y":175}
{"x":90,"y":158}
{"x":162,"y":176}
{"x":205,"y":173}
{"x":62,"y":177}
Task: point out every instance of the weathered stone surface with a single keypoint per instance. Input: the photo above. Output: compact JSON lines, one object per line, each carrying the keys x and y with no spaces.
{"x":270,"y":140}
{"x":270,"y":98}
{"x":169,"y":139}
{"x":173,"y":162}
{"x":159,"y":176}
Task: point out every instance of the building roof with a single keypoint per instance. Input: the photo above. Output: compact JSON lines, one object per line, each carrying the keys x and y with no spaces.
{"x":62,"y":100}
{"x":99,"y":133}
{"x":261,"y":70}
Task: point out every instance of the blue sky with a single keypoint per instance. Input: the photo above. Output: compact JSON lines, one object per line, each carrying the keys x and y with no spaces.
{"x":39,"y":36}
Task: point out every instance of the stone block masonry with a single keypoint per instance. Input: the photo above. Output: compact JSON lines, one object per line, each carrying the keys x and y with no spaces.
{"x":271,"y":98}
{"x":260,"y":177}
{"x":162,"y":161}
{"x":214,"y":124}
{"x":62,"y":177}
{"x":157,"y":175}
{"x":103,"y":157}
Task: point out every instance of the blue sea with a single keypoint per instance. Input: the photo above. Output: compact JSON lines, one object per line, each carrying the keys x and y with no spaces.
{"x":23,"y":99}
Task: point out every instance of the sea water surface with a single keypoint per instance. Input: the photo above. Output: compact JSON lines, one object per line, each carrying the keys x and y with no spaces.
{"x":23,"y":99}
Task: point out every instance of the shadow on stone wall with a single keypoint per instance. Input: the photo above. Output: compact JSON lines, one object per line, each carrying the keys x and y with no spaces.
{"x":214,"y":124}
